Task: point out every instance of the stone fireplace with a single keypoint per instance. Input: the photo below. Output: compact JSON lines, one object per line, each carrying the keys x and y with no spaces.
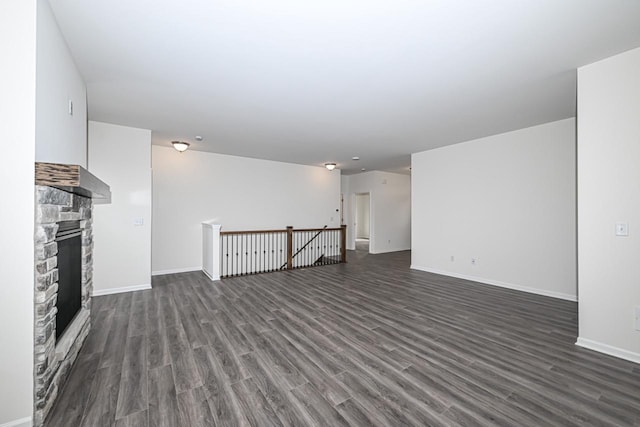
{"x":64,"y":200}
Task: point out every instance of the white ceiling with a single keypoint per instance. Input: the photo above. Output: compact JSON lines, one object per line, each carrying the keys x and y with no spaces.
{"x":324,"y":80}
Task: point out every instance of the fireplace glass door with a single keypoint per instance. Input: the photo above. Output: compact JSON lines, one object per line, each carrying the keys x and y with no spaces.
{"x":69,"y":238}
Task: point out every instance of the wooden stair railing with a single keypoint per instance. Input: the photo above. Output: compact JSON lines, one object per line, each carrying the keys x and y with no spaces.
{"x":289,"y":263}
{"x":260,"y":251}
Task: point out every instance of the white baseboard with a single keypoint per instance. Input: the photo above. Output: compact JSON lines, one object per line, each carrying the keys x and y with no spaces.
{"x":608,"y":349}
{"x":536,"y":291}
{"x":22,"y":422}
{"x":100,"y":292}
{"x":389,"y":250}
{"x":175,"y":270}
{"x":210,"y":276}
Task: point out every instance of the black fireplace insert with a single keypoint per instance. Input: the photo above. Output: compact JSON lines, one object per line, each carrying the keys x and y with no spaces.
{"x":69,"y":239}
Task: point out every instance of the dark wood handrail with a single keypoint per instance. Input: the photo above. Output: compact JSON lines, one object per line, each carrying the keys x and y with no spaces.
{"x":295,"y":230}
{"x":226,"y":233}
{"x":325,"y":228}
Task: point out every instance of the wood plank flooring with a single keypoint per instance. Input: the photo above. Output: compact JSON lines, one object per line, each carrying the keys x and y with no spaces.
{"x":368,"y":343}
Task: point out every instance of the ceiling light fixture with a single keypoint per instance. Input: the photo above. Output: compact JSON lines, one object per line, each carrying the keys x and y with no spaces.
{"x":355,"y":158}
{"x":198,"y":138}
{"x":181,"y":146}
{"x":330,"y":166}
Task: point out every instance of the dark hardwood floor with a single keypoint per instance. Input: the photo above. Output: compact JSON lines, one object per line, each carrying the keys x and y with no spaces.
{"x":366,"y":343}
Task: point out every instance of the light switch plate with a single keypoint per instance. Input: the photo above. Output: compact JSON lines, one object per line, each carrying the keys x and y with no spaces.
{"x":138,"y":222}
{"x":622,"y":229}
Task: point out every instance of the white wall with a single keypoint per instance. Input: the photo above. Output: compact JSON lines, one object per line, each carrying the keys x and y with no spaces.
{"x":508,"y":201}
{"x":237,"y":192}
{"x":61,"y":137}
{"x":121,"y":157}
{"x":608,"y":192}
{"x":362,"y":216}
{"x":390,"y":212}
{"x":17,"y":126}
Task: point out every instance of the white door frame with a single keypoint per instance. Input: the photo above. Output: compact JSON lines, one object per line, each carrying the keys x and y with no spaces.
{"x":354,"y":215}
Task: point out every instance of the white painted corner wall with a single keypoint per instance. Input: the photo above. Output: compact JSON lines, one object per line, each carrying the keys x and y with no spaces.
{"x":608,"y":183}
{"x":61,"y":137}
{"x":121,"y":157}
{"x":508,"y":201}
{"x":390,"y":211}
{"x":18,"y":23}
{"x":237,"y":192}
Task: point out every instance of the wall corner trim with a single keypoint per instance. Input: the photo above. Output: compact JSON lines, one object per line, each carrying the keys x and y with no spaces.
{"x":515,"y":287}
{"x":110,"y":291}
{"x":22,"y":422}
{"x":608,"y":349}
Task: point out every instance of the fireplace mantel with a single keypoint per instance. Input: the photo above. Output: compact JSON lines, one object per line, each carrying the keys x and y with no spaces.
{"x":73,"y":179}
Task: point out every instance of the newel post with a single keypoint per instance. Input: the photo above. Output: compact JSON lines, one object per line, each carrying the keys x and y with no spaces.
{"x":211,"y":249}
{"x":343,"y":243}
{"x":289,"y":247}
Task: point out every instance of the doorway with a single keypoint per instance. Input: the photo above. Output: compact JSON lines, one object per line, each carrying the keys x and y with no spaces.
{"x":362,"y":224}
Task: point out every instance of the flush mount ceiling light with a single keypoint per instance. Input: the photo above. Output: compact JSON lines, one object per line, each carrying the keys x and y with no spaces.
{"x":180,"y":145}
{"x":355,"y":158}
{"x":330,"y":166}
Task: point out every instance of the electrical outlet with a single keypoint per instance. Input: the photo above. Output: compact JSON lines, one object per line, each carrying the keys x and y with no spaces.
{"x":453,"y":258}
{"x":638,"y":318}
{"x":622,"y":229}
{"x":474,"y":261}
{"x":70,"y":107}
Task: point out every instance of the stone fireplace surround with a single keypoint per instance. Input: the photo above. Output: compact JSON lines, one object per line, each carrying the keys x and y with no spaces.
{"x":53,"y":360}
{"x":67,"y":196}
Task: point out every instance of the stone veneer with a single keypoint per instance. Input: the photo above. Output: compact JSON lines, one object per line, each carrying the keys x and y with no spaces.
{"x":53,"y":360}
